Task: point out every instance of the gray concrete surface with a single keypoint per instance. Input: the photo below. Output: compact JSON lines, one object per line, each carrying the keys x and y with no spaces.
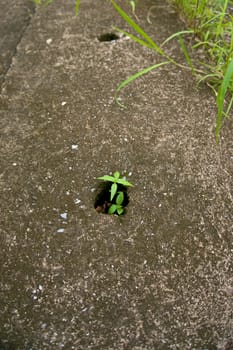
{"x":161,"y":276}
{"x":14,"y":19}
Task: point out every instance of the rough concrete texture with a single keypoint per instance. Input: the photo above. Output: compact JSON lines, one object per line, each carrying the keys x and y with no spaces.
{"x":159,"y":277}
{"x":14,"y":19}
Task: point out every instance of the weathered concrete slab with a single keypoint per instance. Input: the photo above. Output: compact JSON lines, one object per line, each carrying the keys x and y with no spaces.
{"x":161,"y":276}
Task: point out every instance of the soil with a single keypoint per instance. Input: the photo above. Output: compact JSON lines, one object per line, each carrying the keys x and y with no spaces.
{"x":159,"y":277}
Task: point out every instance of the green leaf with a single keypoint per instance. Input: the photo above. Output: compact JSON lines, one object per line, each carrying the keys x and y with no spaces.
{"x":124,"y":182}
{"x":221,"y":97}
{"x":120,"y":211}
{"x":120,"y":198}
{"x":134,"y":38}
{"x":137,"y":28}
{"x":177,"y":34}
{"x":137,"y":75}
{"x":106,"y":178}
{"x":77,"y":4}
{"x":132,"y":3}
{"x":186,"y":54}
{"x":116,"y":175}
{"x":112,"y":209}
{"x":113,"y":191}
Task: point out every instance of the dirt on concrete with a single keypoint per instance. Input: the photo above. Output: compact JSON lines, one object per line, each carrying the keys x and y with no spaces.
{"x":159,"y":277}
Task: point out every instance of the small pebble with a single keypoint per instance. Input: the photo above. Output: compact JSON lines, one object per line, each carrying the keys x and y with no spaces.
{"x":60,"y":230}
{"x":63,"y":216}
{"x":75,"y":147}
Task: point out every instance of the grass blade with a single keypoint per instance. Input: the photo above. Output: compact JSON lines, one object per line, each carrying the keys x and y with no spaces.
{"x":137,"y":75}
{"x":77,"y":4}
{"x":137,"y":28}
{"x":227,"y":80}
{"x":134,"y":38}
{"x":177,"y":34}
{"x":186,"y":54}
{"x":229,"y":107}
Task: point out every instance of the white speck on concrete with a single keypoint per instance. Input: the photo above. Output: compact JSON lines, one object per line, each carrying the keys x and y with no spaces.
{"x":60,"y":230}
{"x":49,"y":41}
{"x":64,"y":216}
{"x":74,"y":147}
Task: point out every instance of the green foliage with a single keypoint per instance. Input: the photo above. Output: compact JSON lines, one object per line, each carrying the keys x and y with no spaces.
{"x":212,"y":23}
{"x":227,"y":80}
{"x":117,"y":207}
{"x":116,"y":180}
{"x":77,"y":4}
{"x":135,"y":76}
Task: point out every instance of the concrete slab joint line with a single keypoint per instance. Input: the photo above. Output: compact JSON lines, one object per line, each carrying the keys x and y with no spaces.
{"x":157,"y":278}
{"x":15,"y":17}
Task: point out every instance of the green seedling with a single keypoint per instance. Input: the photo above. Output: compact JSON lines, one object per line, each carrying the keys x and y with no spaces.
{"x":116,"y":180}
{"x":117,"y":207}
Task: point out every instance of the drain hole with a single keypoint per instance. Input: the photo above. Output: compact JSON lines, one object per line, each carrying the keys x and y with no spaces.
{"x":102,"y":200}
{"x":108,"y":37}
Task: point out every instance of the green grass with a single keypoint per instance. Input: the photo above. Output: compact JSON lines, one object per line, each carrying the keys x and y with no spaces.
{"x":210,"y":22}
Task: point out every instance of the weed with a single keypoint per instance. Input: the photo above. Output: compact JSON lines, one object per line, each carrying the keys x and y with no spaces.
{"x":215,"y":26}
{"x":212,"y":25}
{"x":115,"y":202}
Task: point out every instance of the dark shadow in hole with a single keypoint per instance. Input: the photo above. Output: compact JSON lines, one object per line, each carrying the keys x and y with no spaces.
{"x":108,"y":37}
{"x":102,"y":199}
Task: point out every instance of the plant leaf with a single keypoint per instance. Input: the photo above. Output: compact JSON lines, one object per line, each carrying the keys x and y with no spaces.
{"x":113,"y":190}
{"x":116,"y":175}
{"x":106,"y":178}
{"x":221,"y":97}
{"x":186,"y":54}
{"x":77,"y":4}
{"x":112,"y":209}
{"x":177,"y":34}
{"x":134,"y":38}
{"x":120,"y":198}
{"x":120,"y":210}
{"x":124,"y":182}
{"x":137,"y":75}
{"x":137,"y":28}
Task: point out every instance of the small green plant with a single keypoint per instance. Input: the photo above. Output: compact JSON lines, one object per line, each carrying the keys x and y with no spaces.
{"x":117,"y":207}
{"x":117,"y":196}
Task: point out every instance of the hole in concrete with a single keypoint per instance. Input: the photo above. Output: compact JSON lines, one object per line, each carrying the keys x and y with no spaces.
{"x":108,"y":37}
{"x":102,"y":199}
